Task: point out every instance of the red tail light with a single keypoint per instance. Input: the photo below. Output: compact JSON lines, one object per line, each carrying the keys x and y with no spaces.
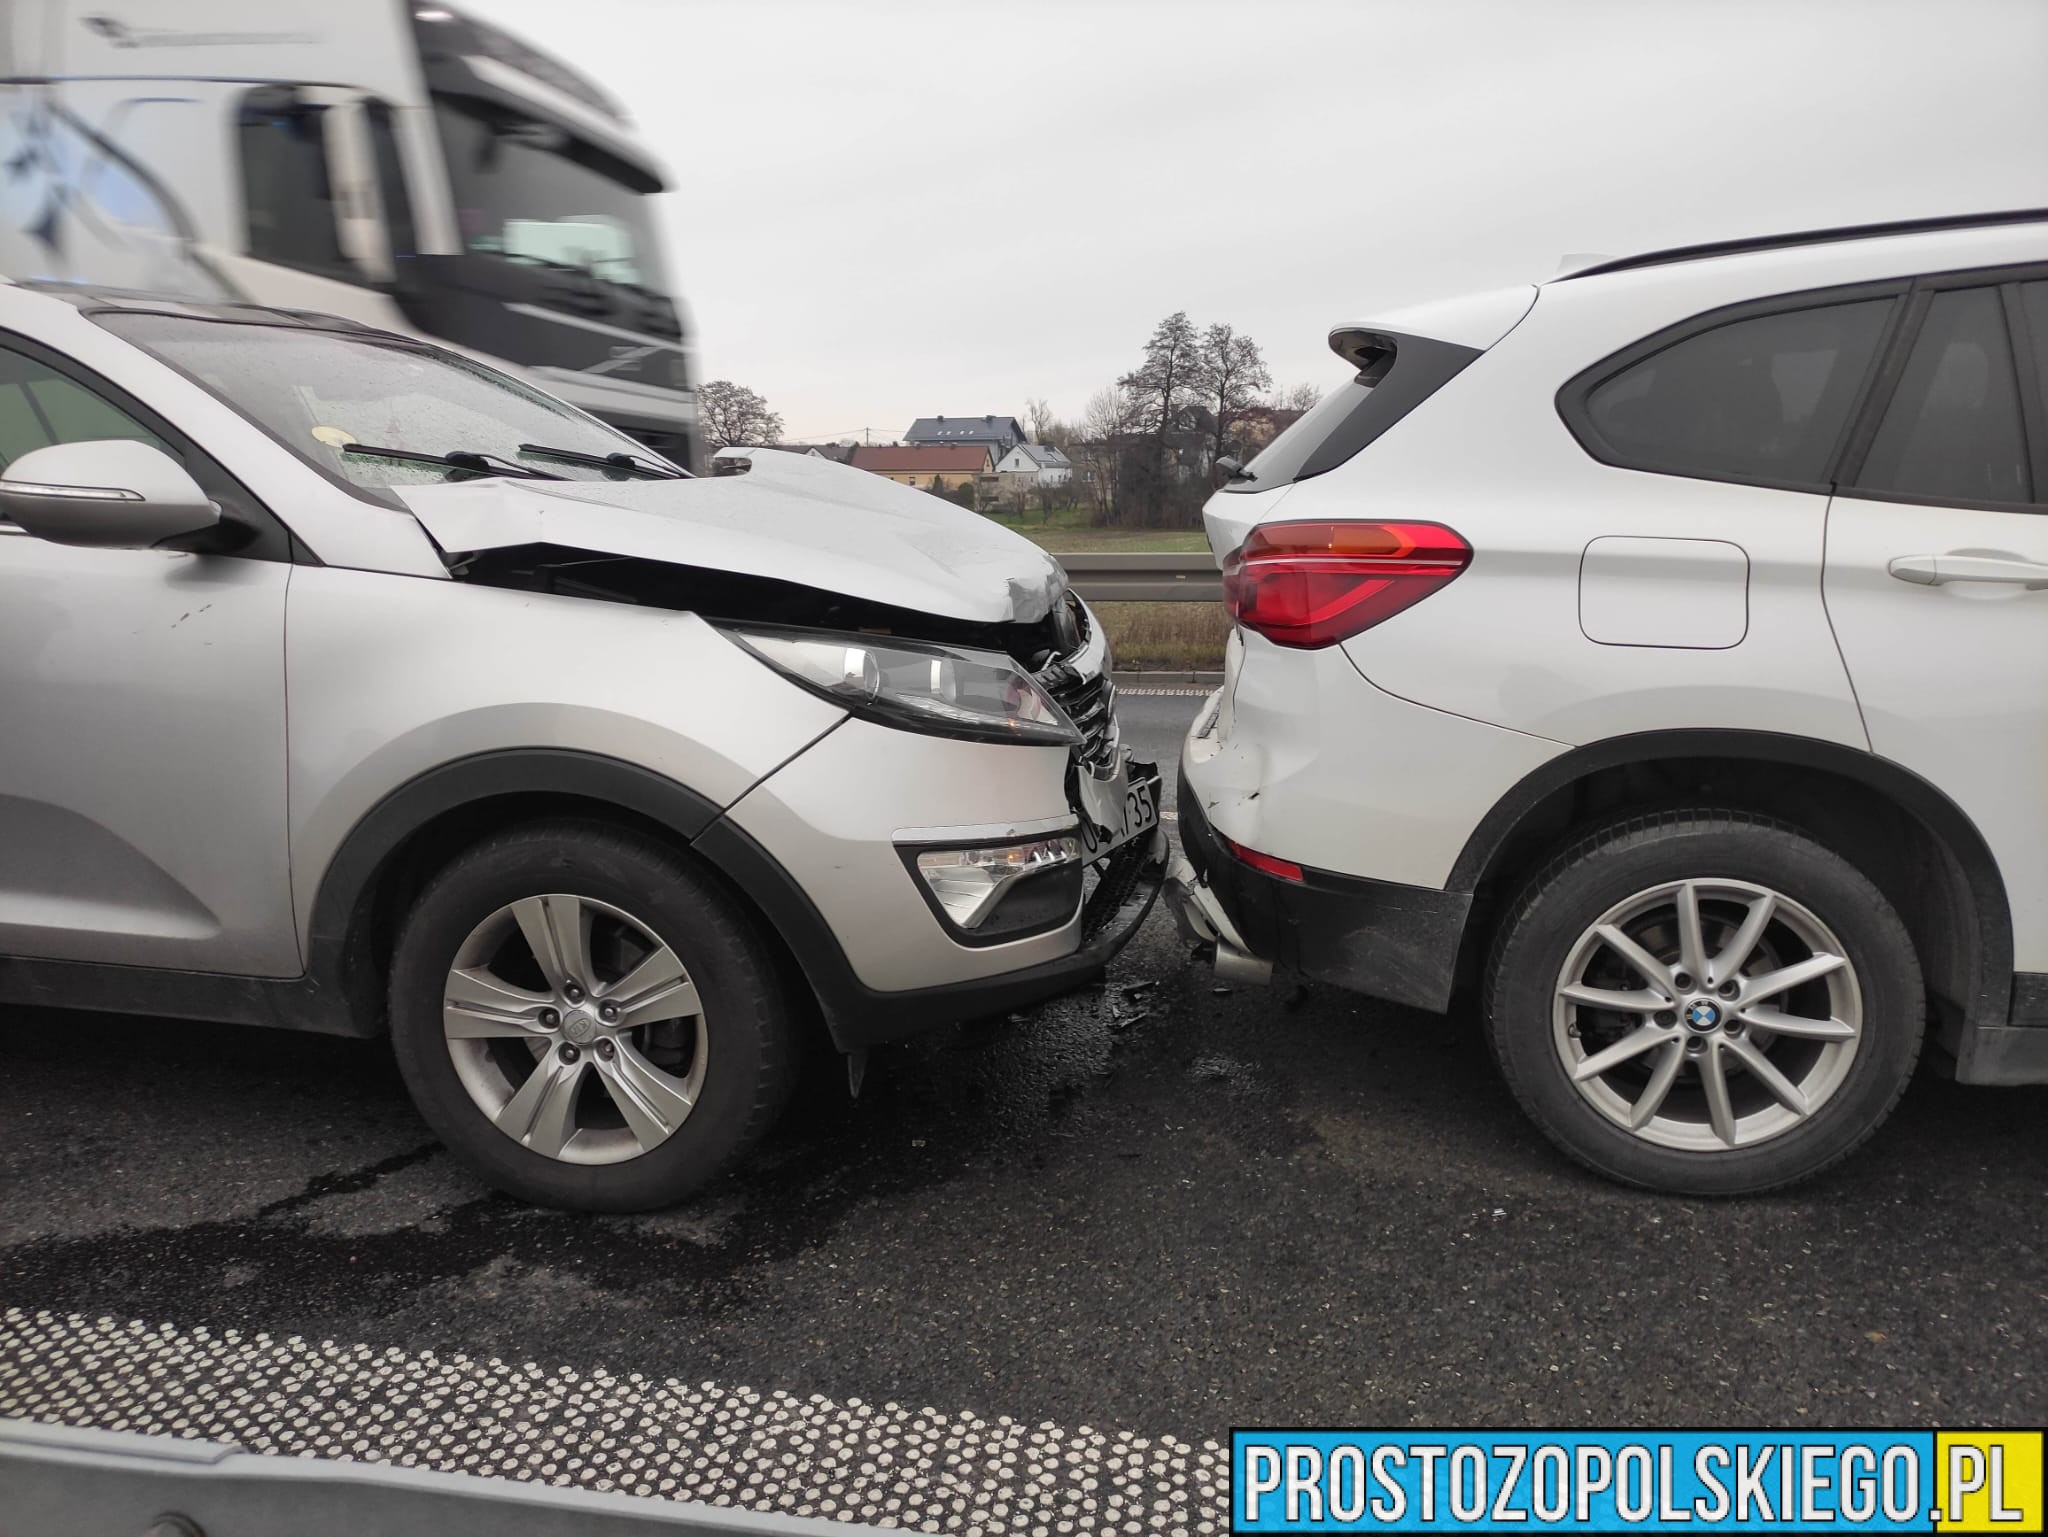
{"x":1272,"y":864}
{"x":1314,"y":584}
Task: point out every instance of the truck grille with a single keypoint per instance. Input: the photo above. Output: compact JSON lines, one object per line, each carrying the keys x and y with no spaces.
{"x":1090,"y":703}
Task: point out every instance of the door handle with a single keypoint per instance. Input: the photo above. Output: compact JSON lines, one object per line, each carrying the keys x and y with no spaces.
{"x":1937,"y":570}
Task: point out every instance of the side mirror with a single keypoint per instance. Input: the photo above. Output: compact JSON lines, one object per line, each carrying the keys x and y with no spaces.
{"x":114,"y":493}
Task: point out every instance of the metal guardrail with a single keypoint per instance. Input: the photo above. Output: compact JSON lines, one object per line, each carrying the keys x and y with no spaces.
{"x":1144,"y":577}
{"x":66,"y":1481}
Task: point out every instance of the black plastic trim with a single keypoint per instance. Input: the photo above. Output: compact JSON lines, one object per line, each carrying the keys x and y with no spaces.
{"x":1415,"y":368}
{"x":337,"y":941}
{"x":2029,"y":1000}
{"x":1992,"y":927}
{"x":1400,"y":943}
{"x":1811,"y":237}
{"x":286,"y":1003}
{"x":2017,"y":1052}
{"x":2030,"y":367}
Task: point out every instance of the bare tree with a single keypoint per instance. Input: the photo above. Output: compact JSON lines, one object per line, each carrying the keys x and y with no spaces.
{"x":732,"y":415}
{"x":1161,"y":389}
{"x":1098,"y":449}
{"x":1107,"y":416}
{"x":1303,"y":397}
{"x":1040,"y":421}
{"x":1233,"y":372}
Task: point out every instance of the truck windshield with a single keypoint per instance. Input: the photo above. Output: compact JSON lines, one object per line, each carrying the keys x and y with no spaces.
{"x":320,"y":392}
{"x":532,"y":192}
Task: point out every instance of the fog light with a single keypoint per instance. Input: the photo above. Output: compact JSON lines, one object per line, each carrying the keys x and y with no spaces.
{"x":996,"y":891}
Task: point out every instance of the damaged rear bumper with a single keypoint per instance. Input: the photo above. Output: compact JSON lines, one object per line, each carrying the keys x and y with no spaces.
{"x":1400,"y":943}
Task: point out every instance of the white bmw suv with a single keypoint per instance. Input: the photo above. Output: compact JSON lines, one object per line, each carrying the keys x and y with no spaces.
{"x":1663,"y":652}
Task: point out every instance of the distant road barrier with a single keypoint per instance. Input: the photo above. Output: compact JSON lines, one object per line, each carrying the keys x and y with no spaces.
{"x":1144,"y":577}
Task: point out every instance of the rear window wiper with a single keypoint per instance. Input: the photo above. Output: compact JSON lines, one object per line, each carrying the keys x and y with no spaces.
{"x":459,"y":459}
{"x":631,"y":463}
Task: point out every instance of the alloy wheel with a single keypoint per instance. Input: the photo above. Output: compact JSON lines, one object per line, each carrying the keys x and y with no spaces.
{"x":1707,"y":1014}
{"x":575,"y":1029}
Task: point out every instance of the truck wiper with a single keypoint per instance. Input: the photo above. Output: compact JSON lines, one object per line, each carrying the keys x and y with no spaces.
{"x":632,"y":463}
{"x":459,"y":459}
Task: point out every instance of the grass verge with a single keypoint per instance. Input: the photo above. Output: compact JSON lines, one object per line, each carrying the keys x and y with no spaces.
{"x":1165,"y":637}
{"x":1065,"y":531}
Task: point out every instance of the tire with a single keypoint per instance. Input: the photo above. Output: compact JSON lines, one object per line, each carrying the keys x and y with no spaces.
{"x":694,"y":1062}
{"x":1642,"y":876}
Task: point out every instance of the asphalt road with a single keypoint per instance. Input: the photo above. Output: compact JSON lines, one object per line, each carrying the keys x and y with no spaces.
{"x":1159,"y":1206}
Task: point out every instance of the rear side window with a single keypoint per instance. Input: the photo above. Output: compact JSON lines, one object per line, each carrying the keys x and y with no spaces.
{"x":1952,"y":430}
{"x":1765,"y":398}
{"x":1395,"y":375}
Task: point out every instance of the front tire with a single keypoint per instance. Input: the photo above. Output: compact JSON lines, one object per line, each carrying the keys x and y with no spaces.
{"x":587,"y":1020}
{"x":1705,"y":1002}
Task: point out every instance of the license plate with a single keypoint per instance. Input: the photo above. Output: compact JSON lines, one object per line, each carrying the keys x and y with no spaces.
{"x":1116,"y":811}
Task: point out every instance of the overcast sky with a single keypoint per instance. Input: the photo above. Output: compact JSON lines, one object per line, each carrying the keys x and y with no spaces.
{"x":893,"y":208}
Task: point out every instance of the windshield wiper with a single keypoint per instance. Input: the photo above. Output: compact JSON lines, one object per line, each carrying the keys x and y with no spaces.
{"x":459,"y":459}
{"x":631,"y":463}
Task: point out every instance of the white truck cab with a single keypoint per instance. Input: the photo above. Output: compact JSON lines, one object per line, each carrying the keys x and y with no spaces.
{"x":400,"y":165}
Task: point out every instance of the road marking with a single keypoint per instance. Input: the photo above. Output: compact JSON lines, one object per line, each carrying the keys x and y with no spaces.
{"x":592,"y":1429}
{"x":1164,"y":693}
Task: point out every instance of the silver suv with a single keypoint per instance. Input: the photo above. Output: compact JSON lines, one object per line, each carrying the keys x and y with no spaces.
{"x":354,"y":686}
{"x":1662,"y":653}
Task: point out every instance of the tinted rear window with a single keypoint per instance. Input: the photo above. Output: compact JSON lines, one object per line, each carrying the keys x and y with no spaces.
{"x":1764,"y":398}
{"x":1400,"y":373}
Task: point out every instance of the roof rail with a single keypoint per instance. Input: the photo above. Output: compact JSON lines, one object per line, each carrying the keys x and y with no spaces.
{"x":1810,"y":237}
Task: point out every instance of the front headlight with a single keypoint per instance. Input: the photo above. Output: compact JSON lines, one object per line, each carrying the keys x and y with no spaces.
{"x":982,"y":696}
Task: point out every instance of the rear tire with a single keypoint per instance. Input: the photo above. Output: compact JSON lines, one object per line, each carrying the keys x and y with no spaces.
{"x":587,"y":1020}
{"x":1649,"y":1073}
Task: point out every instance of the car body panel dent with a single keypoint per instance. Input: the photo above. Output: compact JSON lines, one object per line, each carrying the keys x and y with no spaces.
{"x":798,"y":519}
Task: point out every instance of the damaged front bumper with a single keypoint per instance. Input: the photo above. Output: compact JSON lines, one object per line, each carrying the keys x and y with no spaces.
{"x":1125,"y":885}
{"x":869,"y":853}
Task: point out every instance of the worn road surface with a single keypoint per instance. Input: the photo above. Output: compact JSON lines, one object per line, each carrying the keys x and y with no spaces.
{"x":1157,"y":1208}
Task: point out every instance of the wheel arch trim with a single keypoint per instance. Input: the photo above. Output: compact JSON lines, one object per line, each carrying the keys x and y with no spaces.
{"x":1989,"y":926}
{"x":855,"y":1015}
{"x":364,"y":855}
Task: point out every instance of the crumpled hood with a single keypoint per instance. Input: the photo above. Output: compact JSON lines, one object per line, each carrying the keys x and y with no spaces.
{"x":791,"y":517}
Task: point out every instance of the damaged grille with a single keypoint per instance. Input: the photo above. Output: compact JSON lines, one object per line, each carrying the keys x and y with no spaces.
{"x":1114,"y":887}
{"x":1090,"y":703}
